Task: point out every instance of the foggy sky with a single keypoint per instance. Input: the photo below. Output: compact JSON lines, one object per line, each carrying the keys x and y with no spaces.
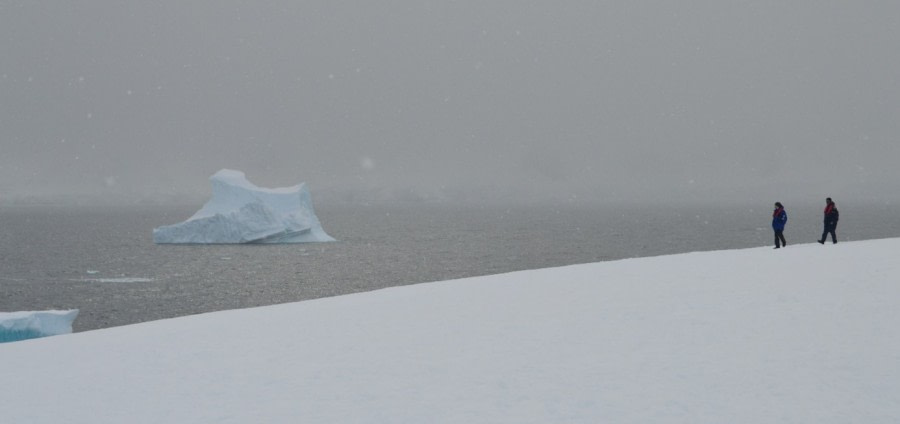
{"x":587,"y":99}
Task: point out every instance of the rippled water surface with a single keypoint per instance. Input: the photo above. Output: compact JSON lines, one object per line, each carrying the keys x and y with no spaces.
{"x":103,"y":260}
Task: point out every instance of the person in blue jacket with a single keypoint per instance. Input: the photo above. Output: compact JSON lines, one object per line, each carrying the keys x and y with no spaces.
{"x":779,"y":218}
{"x":831,"y":220}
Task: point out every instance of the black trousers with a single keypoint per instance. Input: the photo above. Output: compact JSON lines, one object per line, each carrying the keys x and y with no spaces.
{"x":829,"y":229}
{"x":779,"y":238}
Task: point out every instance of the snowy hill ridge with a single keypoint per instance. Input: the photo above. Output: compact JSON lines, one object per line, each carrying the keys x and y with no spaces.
{"x":806,"y":334}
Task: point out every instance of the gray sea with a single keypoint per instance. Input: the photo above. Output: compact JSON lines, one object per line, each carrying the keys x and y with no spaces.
{"x":102,"y":260}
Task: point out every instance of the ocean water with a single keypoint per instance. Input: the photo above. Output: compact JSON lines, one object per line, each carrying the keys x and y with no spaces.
{"x":102,"y":260}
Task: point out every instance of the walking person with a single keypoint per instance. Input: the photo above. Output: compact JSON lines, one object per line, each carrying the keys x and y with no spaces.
{"x":830,"y":223}
{"x":779,"y":219}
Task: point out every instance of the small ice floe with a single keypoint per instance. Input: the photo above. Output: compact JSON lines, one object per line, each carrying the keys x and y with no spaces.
{"x":24,"y":325}
{"x":11,"y":279}
{"x":115,"y":280}
{"x":122,"y":280}
{"x":92,"y":272}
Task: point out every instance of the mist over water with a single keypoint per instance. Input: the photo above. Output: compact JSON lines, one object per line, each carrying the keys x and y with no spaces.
{"x":519,"y":100}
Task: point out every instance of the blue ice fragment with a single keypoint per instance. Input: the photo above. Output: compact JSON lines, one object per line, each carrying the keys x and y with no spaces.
{"x":16,"y":326}
{"x":16,"y":335}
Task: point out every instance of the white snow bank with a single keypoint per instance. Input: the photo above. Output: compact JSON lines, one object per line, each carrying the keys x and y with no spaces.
{"x":805,"y":334}
{"x":15,"y":326}
{"x":240,"y":212}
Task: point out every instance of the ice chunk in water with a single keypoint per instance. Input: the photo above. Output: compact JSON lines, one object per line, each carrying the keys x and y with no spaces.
{"x":15,"y":326}
{"x":240,"y":212}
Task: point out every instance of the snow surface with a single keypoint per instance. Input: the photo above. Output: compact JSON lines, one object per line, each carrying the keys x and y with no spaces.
{"x":23,"y":325}
{"x":804,"y":334}
{"x":241,"y":212}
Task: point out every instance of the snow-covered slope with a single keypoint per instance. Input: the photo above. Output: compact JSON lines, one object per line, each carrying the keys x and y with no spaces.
{"x":241,"y":212}
{"x":806,"y":334}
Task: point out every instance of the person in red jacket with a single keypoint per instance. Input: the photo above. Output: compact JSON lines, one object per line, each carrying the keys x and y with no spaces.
{"x":831,"y":220}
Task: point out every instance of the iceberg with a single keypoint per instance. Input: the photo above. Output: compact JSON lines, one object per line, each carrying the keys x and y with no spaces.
{"x":241,"y":212}
{"x":23,"y":325}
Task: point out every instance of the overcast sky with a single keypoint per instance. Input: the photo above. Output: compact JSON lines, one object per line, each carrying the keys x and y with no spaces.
{"x":596,"y":99}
